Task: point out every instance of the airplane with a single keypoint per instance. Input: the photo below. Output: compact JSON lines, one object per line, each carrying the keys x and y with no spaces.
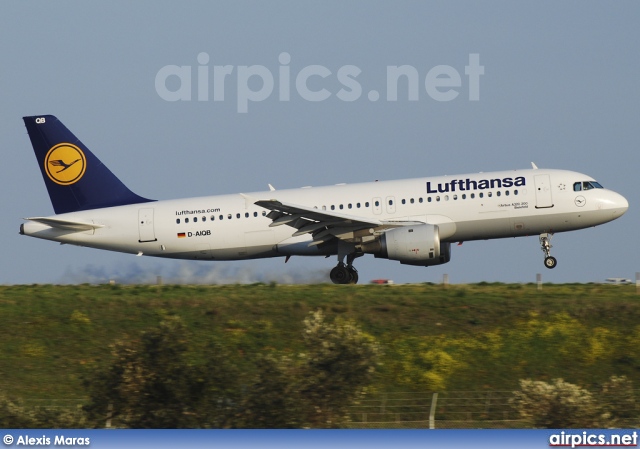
{"x":412,"y":221}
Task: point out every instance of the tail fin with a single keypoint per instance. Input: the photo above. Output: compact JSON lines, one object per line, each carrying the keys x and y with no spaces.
{"x":75,"y":178}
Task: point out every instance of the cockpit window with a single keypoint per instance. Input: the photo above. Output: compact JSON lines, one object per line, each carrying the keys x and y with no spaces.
{"x":586,"y":185}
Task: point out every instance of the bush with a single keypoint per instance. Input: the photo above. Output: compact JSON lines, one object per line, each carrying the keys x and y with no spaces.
{"x":316,"y":388}
{"x":559,"y":404}
{"x":151,"y":384}
{"x":15,"y":415}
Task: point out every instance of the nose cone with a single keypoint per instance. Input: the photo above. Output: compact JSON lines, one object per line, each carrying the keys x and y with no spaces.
{"x":617,"y":204}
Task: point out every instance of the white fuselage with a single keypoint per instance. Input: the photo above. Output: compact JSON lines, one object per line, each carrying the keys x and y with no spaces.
{"x":231,"y":227}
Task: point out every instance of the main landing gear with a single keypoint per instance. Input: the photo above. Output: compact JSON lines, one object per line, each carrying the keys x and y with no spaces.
{"x":545,"y":242}
{"x":345,"y":274}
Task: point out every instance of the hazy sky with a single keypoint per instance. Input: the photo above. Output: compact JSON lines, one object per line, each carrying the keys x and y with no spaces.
{"x":560,"y":87}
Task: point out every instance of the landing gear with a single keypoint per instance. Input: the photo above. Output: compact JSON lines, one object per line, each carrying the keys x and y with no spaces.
{"x":545,"y":242}
{"x":345,"y":273}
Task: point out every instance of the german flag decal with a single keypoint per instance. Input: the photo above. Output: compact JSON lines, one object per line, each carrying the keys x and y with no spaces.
{"x":181,"y":235}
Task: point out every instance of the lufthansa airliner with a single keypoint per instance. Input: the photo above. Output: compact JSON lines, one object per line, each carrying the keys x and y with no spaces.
{"x":412,"y":221}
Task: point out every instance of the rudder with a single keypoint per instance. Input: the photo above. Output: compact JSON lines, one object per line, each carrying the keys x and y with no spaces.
{"x":75,"y":178}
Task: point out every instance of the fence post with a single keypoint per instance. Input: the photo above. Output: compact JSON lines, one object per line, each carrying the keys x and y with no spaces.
{"x":432,"y":413}
{"x":109,"y":416}
{"x":539,"y":281}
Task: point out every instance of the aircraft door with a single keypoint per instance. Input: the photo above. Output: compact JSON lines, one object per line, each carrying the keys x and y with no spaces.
{"x":543,"y":191}
{"x":391,"y":204}
{"x":145,"y":225}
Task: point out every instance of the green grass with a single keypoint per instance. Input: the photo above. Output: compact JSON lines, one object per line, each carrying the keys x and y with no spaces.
{"x":495,"y":334}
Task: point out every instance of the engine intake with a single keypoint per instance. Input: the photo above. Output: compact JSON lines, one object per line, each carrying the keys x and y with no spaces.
{"x":411,"y":245}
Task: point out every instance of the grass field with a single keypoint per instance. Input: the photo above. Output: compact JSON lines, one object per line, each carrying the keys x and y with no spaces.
{"x":464,"y":337}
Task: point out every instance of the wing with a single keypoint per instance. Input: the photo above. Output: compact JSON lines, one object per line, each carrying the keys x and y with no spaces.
{"x":324,"y":225}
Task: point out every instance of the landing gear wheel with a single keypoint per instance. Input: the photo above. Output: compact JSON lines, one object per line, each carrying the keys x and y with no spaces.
{"x":340,"y":274}
{"x":545,"y":243}
{"x":354,"y":275}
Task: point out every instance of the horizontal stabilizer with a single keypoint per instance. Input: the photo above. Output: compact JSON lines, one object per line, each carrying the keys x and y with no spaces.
{"x":66,"y":224}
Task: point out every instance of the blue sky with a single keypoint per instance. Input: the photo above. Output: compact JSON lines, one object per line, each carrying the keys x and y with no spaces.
{"x":560,"y":88}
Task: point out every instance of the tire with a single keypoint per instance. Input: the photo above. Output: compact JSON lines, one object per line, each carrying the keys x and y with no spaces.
{"x":550,"y":262}
{"x":340,"y":275}
{"x":354,"y":275}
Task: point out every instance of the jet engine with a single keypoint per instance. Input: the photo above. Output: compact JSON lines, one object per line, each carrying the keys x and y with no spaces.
{"x":411,"y":245}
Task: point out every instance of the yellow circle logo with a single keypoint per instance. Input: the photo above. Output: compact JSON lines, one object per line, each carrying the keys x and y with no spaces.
{"x":65,"y":164}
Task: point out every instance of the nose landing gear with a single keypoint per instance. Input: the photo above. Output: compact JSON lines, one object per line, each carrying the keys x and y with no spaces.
{"x":545,"y":242}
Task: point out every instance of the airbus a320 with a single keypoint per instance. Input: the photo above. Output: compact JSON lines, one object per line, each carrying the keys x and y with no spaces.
{"x":412,"y":221}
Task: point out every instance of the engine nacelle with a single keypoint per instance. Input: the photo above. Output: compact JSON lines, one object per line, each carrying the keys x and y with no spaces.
{"x":411,"y":245}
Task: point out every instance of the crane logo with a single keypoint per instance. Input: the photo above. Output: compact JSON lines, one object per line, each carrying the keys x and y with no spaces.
{"x":65,"y":164}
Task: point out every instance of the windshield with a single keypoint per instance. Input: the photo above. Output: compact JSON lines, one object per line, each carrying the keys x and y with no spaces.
{"x":586,"y":185}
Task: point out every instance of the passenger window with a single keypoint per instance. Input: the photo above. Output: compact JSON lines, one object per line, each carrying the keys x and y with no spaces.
{"x":506,"y":193}
{"x":420,"y":200}
{"x":237,"y":215}
{"x":186,"y":220}
{"x":358,"y":205}
{"x":498,"y":193}
{"x":411,"y":201}
{"x":404,"y":201}
{"x":204,"y":218}
{"x":264,"y":213}
{"x":229,"y":216}
{"x":480,"y":195}
{"x":515,"y":192}
{"x":246,"y":215}
{"x":213,"y":217}
{"x":255,"y":214}
{"x":489,"y":194}
{"x":177,"y":221}
{"x":438,"y":198}
{"x":221,"y":217}
{"x":464,"y":196}
{"x":333,"y":207}
{"x":350,"y":206}
{"x":446,"y":197}
{"x":366,"y":204}
{"x":341,"y":207}
{"x":390,"y":202}
{"x":473,"y":195}
{"x":377,"y":203}
{"x":428,"y":200}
